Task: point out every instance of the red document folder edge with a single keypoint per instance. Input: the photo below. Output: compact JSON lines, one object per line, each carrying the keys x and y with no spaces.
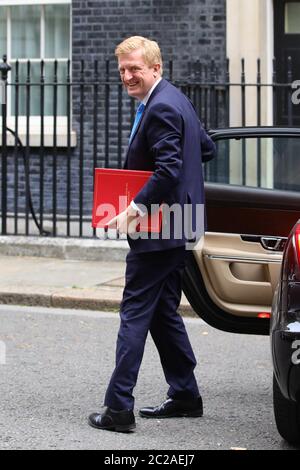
{"x":113,"y":192}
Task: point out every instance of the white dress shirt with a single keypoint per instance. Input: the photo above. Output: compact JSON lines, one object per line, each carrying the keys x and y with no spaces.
{"x":145,"y":101}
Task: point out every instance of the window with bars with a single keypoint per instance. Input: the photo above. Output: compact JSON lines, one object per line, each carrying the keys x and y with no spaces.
{"x":36,"y":31}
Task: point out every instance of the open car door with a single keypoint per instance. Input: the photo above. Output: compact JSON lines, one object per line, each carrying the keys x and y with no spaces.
{"x":252,"y":202}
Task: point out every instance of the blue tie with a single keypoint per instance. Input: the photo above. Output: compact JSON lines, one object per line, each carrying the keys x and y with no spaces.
{"x":138,"y":116}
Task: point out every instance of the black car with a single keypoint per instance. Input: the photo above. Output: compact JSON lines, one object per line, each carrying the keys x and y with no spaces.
{"x":231,"y":276}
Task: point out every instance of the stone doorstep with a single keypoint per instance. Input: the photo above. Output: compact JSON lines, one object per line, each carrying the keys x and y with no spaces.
{"x":64,"y":248}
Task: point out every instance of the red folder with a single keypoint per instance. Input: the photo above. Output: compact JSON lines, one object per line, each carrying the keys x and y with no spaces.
{"x":113,"y":192}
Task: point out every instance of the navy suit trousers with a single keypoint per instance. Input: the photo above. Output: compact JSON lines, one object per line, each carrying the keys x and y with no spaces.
{"x":150,"y":300}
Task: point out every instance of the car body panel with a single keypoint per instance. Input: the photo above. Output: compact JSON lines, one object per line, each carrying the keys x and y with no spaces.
{"x":245,"y":210}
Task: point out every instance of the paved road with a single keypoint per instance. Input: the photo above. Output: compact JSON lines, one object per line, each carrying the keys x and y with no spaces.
{"x":58,"y":363}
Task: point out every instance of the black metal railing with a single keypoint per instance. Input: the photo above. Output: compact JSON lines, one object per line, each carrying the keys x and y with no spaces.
{"x":61,"y":123}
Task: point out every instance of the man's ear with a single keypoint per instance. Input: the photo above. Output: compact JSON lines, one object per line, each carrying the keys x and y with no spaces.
{"x":156,"y":69}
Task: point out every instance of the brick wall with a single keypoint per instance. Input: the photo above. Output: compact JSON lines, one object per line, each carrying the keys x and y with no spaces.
{"x":185,"y":29}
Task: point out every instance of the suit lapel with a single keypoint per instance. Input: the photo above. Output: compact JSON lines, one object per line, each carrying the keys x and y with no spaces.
{"x":156,"y":90}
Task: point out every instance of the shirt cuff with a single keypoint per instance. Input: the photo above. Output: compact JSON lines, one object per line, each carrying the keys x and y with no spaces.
{"x":136,"y":208}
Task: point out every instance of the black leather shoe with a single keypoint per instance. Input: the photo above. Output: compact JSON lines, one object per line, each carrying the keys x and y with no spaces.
{"x":174,"y":409}
{"x":111,"y":420}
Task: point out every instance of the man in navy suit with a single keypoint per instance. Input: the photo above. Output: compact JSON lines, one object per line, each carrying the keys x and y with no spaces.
{"x":167,"y":139}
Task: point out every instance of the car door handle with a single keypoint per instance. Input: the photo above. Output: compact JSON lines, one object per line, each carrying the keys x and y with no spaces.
{"x":268,"y":243}
{"x":273,"y":243}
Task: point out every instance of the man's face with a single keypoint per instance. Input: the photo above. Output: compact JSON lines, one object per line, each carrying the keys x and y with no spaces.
{"x":136,"y":75}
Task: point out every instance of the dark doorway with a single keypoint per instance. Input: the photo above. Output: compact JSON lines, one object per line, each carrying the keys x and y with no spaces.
{"x":287,"y":44}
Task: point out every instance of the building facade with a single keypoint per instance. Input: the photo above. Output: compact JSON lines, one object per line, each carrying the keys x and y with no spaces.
{"x":73,"y":98}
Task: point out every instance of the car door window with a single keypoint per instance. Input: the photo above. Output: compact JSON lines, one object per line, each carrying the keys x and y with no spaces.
{"x":262,"y":162}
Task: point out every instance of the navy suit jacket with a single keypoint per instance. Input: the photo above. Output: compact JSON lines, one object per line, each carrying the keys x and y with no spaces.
{"x":170,"y":141}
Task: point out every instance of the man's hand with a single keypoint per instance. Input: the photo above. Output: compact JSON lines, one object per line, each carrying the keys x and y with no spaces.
{"x":125,"y":222}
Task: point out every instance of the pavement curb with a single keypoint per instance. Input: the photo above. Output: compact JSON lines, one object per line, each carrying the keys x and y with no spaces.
{"x":106,"y":296}
{"x":71,"y":300}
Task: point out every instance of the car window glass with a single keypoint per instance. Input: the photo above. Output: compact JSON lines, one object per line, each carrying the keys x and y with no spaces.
{"x":264,"y":162}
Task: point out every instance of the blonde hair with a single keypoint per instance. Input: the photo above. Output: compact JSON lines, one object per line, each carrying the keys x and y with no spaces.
{"x":151,"y":50}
